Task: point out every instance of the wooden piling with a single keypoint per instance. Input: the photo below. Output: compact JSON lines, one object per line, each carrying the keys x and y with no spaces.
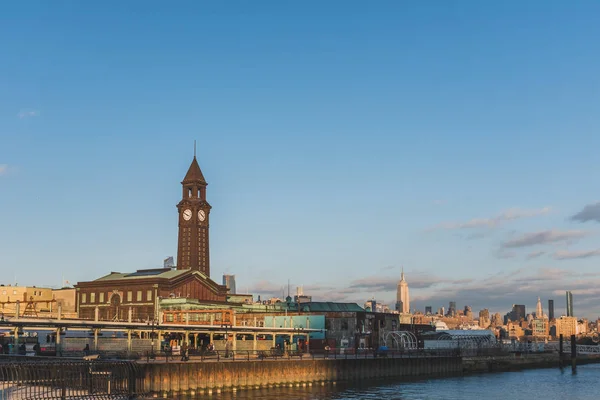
{"x":573,"y":354}
{"x":560,"y":351}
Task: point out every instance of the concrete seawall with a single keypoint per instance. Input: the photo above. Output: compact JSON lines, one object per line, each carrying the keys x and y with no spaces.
{"x":195,"y":377}
{"x":204,"y":377}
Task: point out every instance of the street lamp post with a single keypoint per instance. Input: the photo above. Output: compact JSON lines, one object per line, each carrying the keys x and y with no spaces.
{"x":297,"y":332}
{"x":152,"y":323}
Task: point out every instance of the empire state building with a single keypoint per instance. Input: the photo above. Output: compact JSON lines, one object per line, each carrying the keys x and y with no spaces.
{"x":402,"y":297}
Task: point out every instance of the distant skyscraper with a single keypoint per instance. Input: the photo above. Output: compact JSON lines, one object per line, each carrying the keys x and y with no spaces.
{"x":518,"y":312}
{"x":539,"y":313}
{"x":402,"y":297}
{"x":229,"y":281}
{"x":570,"y":304}
{"x":168,"y":262}
{"x":468,"y":312}
{"x":452,"y":308}
{"x":300,"y":297}
{"x":428,"y":310}
{"x":484,"y":318}
{"x":550,"y":309}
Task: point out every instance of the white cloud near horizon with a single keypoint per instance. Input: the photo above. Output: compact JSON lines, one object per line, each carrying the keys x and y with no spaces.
{"x":3,"y":169}
{"x":493,"y":222}
{"x":545,"y":237}
{"x":496,"y":292}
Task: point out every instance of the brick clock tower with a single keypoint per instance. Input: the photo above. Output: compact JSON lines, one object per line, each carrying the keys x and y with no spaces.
{"x":192,"y":246}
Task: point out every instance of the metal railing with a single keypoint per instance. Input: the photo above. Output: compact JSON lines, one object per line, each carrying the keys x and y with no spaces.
{"x":276,"y":354}
{"x":39,"y":378}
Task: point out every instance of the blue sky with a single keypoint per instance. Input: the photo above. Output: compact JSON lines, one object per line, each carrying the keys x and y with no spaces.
{"x":341,"y":140}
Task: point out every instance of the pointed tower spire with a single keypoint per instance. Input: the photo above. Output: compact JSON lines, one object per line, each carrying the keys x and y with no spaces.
{"x":194,"y":173}
{"x":539,"y":313}
{"x":402,"y":296}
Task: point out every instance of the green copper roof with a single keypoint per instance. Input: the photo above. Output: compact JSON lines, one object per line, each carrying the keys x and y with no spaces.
{"x":330,"y":306}
{"x":163,"y":273}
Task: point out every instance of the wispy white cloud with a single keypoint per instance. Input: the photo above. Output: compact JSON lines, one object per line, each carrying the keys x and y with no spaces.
{"x":3,"y":169}
{"x":535,"y":254}
{"x":570,"y":255}
{"x":544,"y":237}
{"x":503,"y":254}
{"x":28,"y":114}
{"x":493,"y":222}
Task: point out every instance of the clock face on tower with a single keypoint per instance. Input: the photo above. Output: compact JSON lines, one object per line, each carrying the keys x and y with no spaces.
{"x":187,"y":214}
{"x":201,"y":215}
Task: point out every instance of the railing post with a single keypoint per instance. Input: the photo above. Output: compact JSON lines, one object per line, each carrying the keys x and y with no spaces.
{"x":90,"y":379}
{"x":132,"y":382}
{"x":63,"y":388}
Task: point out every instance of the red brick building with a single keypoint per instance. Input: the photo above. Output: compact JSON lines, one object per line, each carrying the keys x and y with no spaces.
{"x":116,"y":295}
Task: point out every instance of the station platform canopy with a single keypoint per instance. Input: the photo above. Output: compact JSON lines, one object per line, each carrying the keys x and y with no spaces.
{"x":479,"y":336}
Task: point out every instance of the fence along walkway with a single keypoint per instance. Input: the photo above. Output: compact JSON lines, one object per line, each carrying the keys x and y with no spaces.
{"x":69,"y":379}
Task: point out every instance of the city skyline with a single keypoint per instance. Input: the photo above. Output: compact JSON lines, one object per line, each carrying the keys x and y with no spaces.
{"x":335,"y":151}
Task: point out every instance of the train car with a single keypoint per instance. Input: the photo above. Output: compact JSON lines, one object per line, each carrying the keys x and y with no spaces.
{"x":25,"y":344}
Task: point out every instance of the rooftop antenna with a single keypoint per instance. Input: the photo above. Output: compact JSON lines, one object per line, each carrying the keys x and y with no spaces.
{"x":288,"y":287}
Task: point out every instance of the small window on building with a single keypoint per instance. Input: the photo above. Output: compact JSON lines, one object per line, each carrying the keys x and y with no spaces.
{"x":83,"y":298}
{"x":149,"y":295}
{"x":92,"y":297}
{"x":190,"y":192}
{"x":130,"y":296}
{"x":101,"y":296}
{"x":34,"y":293}
{"x":139,"y":295}
{"x":344,"y":325}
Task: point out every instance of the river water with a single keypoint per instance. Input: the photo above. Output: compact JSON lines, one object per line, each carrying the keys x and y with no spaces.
{"x":546,"y":384}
